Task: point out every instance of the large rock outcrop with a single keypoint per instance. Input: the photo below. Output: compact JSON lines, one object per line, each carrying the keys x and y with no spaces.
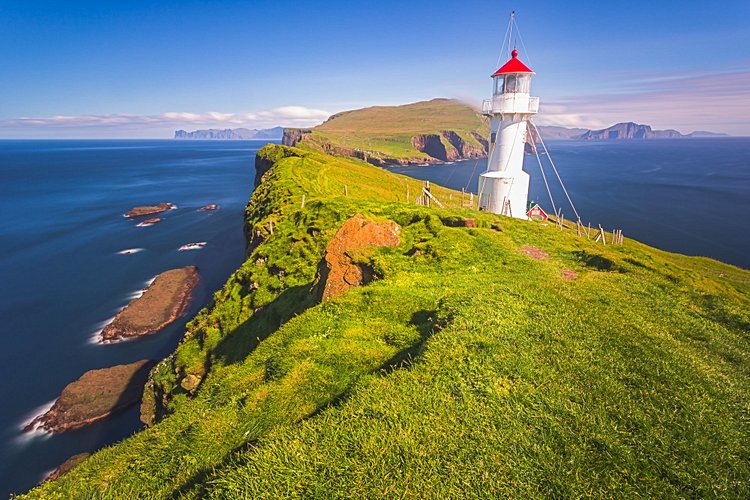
{"x":338,"y":272}
{"x":164,"y":301}
{"x":94,"y":396}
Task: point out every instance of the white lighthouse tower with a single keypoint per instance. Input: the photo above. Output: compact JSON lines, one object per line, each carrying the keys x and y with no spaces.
{"x":504,"y":186}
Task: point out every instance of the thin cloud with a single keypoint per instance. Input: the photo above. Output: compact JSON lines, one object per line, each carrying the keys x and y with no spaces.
{"x":285,"y":115}
{"x":718,"y":102}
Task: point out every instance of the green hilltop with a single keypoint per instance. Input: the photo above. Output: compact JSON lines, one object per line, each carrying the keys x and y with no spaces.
{"x":465,"y":368}
{"x":422,"y":132}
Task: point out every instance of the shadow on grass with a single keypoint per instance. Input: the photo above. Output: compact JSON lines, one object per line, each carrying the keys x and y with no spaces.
{"x":240,"y":342}
{"x":425,"y":322}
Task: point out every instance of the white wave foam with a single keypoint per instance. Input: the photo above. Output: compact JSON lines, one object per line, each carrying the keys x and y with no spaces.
{"x":37,"y":432}
{"x":96,"y":335}
{"x":145,"y":224}
{"x":129,"y":251}
{"x":192,"y":246}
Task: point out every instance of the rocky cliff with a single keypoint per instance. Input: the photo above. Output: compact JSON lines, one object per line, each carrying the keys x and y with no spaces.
{"x":629,"y":130}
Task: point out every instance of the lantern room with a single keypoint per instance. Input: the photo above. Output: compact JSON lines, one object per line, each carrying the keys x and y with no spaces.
{"x":514,"y":77}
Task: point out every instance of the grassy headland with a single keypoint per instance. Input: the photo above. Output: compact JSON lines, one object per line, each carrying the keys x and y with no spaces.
{"x":467,"y":368}
{"x":423,"y":132}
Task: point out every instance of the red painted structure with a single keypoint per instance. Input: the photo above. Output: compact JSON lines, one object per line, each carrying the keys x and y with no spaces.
{"x":514,"y":65}
{"x":536,"y":213}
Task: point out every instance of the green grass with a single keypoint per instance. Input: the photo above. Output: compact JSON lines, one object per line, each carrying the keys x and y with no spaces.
{"x":467,"y":370}
{"x":386,"y":131}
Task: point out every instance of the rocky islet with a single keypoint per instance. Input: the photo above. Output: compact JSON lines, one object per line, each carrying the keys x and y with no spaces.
{"x":97,"y":394}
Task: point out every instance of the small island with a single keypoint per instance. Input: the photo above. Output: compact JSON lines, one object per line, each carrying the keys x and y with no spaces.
{"x":144,"y":210}
{"x":164,"y":301}
{"x":94,"y":396}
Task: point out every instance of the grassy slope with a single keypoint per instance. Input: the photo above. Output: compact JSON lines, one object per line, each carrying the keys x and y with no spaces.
{"x":468,"y":369}
{"x":389,"y":129}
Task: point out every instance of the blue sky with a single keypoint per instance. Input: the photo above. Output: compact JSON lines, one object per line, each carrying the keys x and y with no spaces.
{"x":143,"y":69}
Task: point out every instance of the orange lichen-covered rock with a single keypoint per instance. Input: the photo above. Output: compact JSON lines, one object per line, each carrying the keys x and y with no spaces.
{"x":337,"y":272}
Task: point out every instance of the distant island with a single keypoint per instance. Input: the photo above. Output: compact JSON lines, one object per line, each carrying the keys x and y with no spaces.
{"x":420,"y":133}
{"x":271,"y":134}
{"x":630,"y":130}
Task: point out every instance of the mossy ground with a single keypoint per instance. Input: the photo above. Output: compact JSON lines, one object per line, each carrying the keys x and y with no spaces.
{"x":468,"y":370}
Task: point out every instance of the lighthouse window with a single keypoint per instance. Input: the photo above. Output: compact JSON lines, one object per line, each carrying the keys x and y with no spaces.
{"x":499,"y":85}
{"x":517,"y":83}
{"x":510,"y":84}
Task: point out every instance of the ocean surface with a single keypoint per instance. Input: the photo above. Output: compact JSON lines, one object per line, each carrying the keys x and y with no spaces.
{"x":62,"y":205}
{"x":690,"y":196}
{"x":62,"y":230}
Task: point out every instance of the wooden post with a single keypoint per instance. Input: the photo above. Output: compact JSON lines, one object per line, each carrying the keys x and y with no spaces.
{"x":303,"y":202}
{"x":588,"y":233}
{"x":425,"y":190}
{"x":270,"y":226}
{"x":471,"y":201}
{"x":429,"y":196}
{"x":604,"y":236}
{"x":346,"y":190}
{"x":462,"y":198}
{"x":578,"y":227}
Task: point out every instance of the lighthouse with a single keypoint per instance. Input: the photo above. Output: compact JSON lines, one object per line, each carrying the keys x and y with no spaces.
{"x":504,"y":186}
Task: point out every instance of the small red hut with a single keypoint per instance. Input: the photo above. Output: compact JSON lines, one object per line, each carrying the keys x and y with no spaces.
{"x":536,"y":213}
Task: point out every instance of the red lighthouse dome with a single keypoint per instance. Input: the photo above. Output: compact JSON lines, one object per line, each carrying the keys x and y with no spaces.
{"x":514,"y":65}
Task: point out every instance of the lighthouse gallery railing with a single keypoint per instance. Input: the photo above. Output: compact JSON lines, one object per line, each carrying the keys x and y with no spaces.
{"x":511,"y":103}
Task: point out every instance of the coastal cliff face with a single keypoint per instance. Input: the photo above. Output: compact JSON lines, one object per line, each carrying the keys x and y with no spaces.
{"x":447,"y":145}
{"x":292,"y":136}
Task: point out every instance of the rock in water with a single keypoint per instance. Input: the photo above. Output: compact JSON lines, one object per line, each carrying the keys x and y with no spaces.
{"x":149,"y":222}
{"x":149,"y":209}
{"x":68,"y":466}
{"x":94,"y":396}
{"x":207,"y":208}
{"x":337,"y":272}
{"x":163,"y":302}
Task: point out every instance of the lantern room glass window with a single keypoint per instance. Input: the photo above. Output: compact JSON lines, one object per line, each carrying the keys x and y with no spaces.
{"x":517,"y":84}
{"x":499,"y":84}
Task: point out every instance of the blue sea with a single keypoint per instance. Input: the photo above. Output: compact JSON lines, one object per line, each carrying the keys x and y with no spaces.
{"x":62,"y":230}
{"x":62,"y":205}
